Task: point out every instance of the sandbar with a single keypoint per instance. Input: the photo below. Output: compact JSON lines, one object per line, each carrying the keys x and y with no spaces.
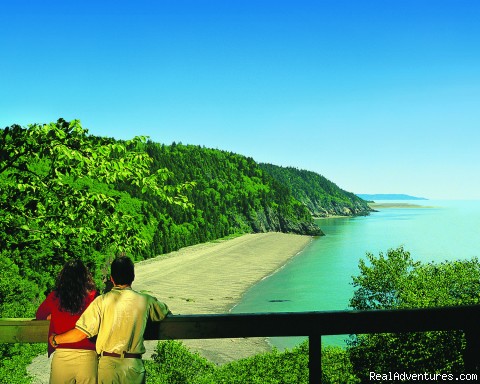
{"x":384,"y":205}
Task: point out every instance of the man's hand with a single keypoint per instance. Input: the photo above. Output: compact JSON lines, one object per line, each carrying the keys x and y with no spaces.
{"x":52,"y":340}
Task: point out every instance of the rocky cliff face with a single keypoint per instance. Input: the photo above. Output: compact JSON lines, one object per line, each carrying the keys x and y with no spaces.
{"x":270,"y":221}
{"x":322,"y":209}
{"x":319,"y":195}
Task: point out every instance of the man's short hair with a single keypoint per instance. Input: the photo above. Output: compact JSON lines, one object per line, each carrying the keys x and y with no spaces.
{"x":122,"y":270}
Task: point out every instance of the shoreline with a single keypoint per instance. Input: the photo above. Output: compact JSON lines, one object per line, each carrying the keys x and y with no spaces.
{"x":187,"y":280}
{"x":271,"y":274}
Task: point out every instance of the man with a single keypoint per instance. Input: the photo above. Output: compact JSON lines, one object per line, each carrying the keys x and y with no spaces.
{"x":118,"y":318}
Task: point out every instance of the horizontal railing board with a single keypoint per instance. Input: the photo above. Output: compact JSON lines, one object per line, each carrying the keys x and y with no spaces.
{"x":23,"y":331}
{"x":315,"y":323}
{"x":277,"y":324}
{"x":312,"y":324}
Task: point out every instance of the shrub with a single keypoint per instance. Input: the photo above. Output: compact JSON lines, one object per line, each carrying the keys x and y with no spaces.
{"x":173,"y":363}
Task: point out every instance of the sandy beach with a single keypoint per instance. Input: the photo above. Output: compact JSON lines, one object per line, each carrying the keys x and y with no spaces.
{"x":210,"y":278}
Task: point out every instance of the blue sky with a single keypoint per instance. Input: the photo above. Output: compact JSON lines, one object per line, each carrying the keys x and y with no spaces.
{"x":378,"y":96}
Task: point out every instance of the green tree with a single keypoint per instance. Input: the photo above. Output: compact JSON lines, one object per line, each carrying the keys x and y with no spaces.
{"x":17,"y":295}
{"x":48,"y":195}
{"x":395,"y":281}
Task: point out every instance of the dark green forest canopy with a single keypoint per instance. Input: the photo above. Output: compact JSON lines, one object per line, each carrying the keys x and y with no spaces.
{"x":232,"y":194}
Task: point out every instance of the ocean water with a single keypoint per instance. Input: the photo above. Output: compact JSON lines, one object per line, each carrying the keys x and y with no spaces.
{"x":320,"y":277}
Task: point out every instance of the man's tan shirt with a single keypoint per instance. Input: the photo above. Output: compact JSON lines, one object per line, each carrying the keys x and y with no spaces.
{"x":118,"y":319}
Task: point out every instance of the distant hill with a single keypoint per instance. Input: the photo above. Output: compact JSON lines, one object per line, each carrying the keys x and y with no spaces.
{"x":321,"y":196}
{"x":389,"y":196}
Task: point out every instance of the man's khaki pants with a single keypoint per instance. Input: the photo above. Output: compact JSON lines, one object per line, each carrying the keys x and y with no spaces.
{"x":119,"y":370}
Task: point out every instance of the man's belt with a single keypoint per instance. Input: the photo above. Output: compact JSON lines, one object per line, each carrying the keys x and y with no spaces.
{"x":124,"y":354}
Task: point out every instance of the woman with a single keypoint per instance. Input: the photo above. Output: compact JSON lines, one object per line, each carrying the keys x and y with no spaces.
{"x":74,"y":291}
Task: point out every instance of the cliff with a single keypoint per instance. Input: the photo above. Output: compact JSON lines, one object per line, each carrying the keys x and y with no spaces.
{"x":322,"y":197}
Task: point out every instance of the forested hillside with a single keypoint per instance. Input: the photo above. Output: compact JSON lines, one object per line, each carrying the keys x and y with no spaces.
{"x":232,"y":194}
{"x":321,"y":196}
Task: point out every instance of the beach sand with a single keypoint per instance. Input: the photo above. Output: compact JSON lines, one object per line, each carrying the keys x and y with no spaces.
{"x":211,"y":278}
{"x":206,"y":279}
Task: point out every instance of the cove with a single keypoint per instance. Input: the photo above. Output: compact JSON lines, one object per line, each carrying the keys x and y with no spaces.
{"x":320,"y":277}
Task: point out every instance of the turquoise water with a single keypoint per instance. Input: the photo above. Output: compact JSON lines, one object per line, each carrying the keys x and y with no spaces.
{"x":319,"y":278}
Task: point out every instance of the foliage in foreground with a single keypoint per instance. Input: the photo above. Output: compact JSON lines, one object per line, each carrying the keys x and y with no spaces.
{"x":14,"y":361}
{"x":395,"y":281}
{"x":173,"y":363}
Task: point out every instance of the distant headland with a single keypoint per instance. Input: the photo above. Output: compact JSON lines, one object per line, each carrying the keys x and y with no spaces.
{"x":389,"y":196}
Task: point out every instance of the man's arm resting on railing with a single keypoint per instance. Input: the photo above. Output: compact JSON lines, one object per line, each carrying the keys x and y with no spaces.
{"x":72,"y":336}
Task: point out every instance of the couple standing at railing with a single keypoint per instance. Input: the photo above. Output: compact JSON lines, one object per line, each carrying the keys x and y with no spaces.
{"x":117,"y":319}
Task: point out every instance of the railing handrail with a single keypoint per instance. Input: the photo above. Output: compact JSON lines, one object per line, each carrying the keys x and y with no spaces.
{"x":311,"y":324}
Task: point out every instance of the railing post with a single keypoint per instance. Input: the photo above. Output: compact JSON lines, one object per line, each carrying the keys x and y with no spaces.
{"x":471,"y":356}
{"x":315,"y":359}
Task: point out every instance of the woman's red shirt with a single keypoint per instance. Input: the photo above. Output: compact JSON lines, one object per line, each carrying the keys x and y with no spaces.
{"x":62,"y":321}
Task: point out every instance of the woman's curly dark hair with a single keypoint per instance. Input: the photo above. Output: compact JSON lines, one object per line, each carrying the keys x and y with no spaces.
{"x":73,"y":284}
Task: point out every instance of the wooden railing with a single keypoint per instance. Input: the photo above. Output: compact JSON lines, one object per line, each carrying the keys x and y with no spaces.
{"x":311,"y":324}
